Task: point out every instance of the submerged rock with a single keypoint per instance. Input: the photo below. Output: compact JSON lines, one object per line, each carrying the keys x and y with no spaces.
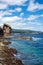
{"x":24,"y":38}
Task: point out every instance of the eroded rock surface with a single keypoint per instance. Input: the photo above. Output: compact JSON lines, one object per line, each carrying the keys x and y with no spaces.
{"x":6,"y":55}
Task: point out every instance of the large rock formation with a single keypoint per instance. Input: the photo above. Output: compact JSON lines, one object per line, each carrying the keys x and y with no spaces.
{"x":7,"y":30}
{"x":6,"y":55}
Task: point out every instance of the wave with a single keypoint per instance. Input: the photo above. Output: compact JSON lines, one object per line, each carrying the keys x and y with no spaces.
{"x":36,"y":39}
{"x":18,"y":55}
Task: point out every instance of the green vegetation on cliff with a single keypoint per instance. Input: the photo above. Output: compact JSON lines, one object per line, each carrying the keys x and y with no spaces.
{"x":25,"y":31}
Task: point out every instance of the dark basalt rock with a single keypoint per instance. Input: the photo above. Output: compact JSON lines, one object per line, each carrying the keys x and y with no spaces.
{"x":6,"y":43}
{"x":13,"y":51}
{"x":1,"y":32}
{"x":18,"y":62}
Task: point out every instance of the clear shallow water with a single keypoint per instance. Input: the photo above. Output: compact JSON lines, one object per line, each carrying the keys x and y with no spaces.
{"x":30,"y":52}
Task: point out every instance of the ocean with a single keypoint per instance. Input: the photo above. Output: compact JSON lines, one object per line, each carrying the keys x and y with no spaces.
{"x":29,"y":51}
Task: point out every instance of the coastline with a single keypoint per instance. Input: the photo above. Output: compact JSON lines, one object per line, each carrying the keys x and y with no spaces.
{"x":6,"y":55}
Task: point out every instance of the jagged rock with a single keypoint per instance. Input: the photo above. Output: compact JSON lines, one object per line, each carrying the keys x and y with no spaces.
{"x":7,"y":56}
{"x":6,"y":43}
{"x":13,"y":51}
{"x":18,"y":62}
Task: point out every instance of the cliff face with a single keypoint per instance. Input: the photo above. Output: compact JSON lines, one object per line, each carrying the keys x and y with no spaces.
{"x":6,"y":55}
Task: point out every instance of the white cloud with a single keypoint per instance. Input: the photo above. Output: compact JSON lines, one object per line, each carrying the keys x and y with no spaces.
{"x":3,"y":6}
{"x":21,"y":23}
{"x":41,"y":15}
{"x":9,"y":12}
{"x":14,"y":2}
{"x":21,"y":14}
{"x":37,"y":26}
{"x":2,"y":13}
{"x":34,"y":6}
{"x":18,"y":9}
{"x":5,"y":3}
{"x":32,"y":17}
{"x":10,"y":19}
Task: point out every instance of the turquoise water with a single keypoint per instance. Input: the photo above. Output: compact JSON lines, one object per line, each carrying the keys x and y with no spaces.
{"x":30,"y":52}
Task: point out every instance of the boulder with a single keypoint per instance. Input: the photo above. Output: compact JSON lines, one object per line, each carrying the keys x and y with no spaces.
{"x":13,"y":51}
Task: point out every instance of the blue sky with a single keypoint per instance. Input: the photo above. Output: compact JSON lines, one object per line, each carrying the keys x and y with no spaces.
{"x":22,"y":14}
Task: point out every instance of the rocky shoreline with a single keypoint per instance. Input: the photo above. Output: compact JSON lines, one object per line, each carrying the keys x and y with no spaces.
{"x":18,"y":37}
{"x":23,"y":38}
{"x":7,"y":55}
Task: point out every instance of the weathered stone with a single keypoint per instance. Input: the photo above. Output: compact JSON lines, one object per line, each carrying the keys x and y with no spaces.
{"x":24,"y":38}
{"x":13,"y":51}
{"x":7,"y":55}
{"x":6,"y":43}
{"x":18,"y":62}
{"x":0,"y":63}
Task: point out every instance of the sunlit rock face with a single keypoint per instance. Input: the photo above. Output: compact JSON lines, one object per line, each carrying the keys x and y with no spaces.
{"x":6,"y":29}
{"x":7,"y":55}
